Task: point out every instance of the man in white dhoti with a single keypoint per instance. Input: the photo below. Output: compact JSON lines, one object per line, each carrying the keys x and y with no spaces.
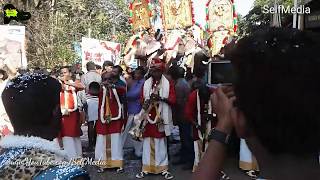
{"x":247,"y":162}
{"x":158,"y":94}
{"x":70,"y":125}
{"x":111,"y":123}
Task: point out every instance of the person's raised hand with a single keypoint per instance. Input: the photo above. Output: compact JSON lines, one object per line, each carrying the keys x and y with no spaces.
{"x":222,"y":101}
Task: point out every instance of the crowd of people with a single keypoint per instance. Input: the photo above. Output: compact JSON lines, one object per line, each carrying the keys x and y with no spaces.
{"x":268,"y":106}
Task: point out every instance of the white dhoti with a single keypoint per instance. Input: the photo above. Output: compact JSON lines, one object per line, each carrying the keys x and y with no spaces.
{"x":109,"y":150}
{"x":137,"y":145}
{"x":155,"y":155}
{"x":72,"y":146}
{"x":197,"y":153}
{"x":247,"y":160}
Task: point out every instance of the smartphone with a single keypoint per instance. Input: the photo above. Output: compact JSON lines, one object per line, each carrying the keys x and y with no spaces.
{"x":220,"y":73}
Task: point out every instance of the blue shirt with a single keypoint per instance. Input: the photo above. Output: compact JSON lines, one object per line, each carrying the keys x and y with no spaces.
{"x":133,"y":97}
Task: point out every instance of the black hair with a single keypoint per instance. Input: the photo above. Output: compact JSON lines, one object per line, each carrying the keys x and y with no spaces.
{"x":189,"y":74}
{"x":173,"y":72}
{"x":90,"y":66}
{"x":55,"y":72}
{"x":4,"y":74}
{"x":200,"y":68}
{"x":181,"y":72}
{"x":30,"y":101}
{"x":120,"y":70}
{"x":66,"y":67}
{"x":141,"y":69}
{"x":94,"y":88}
{"x":204,"y":93}
{"x":277,"y":88}
{"x":98,"y":66}
{"x":107,"y":63}
{"x":196,"y":84}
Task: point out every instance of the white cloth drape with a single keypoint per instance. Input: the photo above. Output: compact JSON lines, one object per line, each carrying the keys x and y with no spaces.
{"x":164,"y":108}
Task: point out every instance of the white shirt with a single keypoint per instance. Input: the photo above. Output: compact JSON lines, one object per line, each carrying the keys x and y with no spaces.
{"x":93,"y":108}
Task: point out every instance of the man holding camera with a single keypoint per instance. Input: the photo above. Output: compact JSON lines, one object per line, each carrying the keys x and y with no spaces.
{"x":275,"y":107}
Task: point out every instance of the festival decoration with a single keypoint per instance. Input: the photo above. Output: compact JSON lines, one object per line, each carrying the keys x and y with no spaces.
{"x":99,"y":51}
{"x":176,"y":14}
{"x":132,"y":42}
{"x":140,"y":14}
{"x":218,"y":40}
{"x":156,"y":21}
{"x":221,"y":15}
{"x":221,"y":24}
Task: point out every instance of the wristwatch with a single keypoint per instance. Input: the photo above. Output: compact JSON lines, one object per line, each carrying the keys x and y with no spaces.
{"x":219,"y":136}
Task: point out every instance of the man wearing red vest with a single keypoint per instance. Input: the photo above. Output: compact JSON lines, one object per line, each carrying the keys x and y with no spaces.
{"x":70,"y":131}
{"x":158,"y":95}
{"x":111,"y":123}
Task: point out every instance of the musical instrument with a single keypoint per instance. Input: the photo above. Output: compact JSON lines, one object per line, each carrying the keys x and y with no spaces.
{"x":143,"y":117}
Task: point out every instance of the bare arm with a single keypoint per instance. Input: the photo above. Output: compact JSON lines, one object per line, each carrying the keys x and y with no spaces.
{"x":212,"y":163}
{"x":77,"y":84}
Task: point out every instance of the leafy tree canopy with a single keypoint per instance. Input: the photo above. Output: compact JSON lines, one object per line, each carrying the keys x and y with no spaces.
{"x":55,"y":25}
{"x":256,"y":19}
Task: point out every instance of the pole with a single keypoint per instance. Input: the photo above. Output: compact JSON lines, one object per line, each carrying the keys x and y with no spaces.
{"x":294,"y":23}
{"x":113,"y":30}
{"x":299,"y":22}
{"x":89,"y":32}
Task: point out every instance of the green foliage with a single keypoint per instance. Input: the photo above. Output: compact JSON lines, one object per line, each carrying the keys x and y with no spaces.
{"x":55,"y":25}
{"x":256,"y":19}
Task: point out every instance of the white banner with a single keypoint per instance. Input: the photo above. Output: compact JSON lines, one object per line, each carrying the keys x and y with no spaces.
{"x":99,"y":51}
{"x":12,"y":46}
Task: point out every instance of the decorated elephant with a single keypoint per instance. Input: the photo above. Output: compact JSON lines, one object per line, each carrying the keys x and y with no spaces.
{"x":182,"y":46}
{"x":142,"y":46}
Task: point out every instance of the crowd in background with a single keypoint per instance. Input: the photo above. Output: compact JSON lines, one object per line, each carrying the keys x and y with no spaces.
{"x":88,"y":91}
{"x":277,"y":119}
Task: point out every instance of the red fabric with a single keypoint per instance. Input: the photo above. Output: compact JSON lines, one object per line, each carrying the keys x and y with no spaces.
{"x":172,"y":94}
{"x":4,"y":130}
{"x":158,"y":63}
{"x":113,"y":126}
{"x":191,"y":113}
{"x":151,"y":130}
{"x":69,"y":98}
{"x":70,"y":125}
{"x":191,"y":107}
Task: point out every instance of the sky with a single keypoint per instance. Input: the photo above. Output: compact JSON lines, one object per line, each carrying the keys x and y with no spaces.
{"x":243,"y":6}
